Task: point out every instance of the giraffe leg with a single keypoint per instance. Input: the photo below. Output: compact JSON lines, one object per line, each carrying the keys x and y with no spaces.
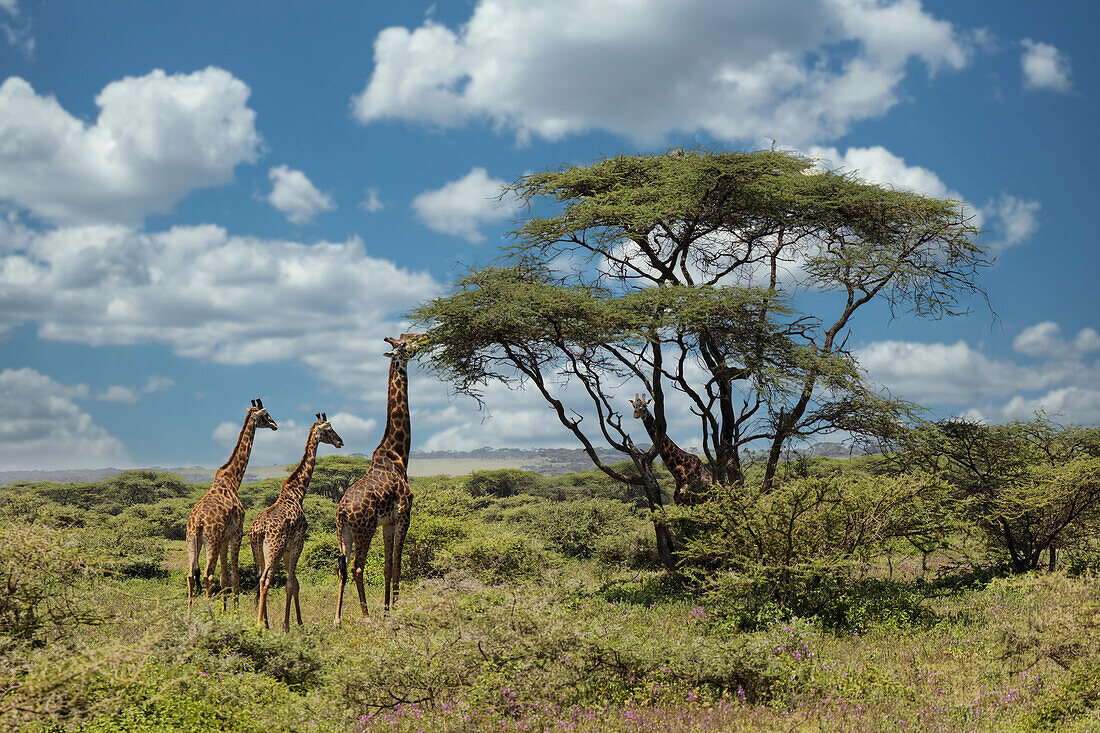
{"x":343,"y":534}
{"x":387,"y":566}
{"x":224,"y":581}
{"x":271,"y":550}
{"x":398,"y":543}
{"x":235,"y":571}
{"x":290,"y":559}
{"x":361,"y":549}
{"x":194,"y":547}
{"x":256,"y":540}
{"x":212,"y":543}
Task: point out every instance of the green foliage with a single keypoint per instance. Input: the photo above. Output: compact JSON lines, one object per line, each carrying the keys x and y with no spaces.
{"x":496,"y":558}
{"x":260,"y":494}
{"x":129,"y":547}
{"x":332,"y":475}
{"x":586,"y":528}
{"x":1028,"y":486}
{"x":320,"y":553}
{"x":166,"y":519}
{"x":502,"y":482}
{"x":43,"y":572}
{"x":320,"y":512}
{"x":799,"y":546}
{"x":110,"y":496}
{"x":233,"y":646}
{"x":429,"y":537}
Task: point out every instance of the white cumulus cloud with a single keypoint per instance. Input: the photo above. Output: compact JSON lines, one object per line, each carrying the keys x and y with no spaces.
{"x":1044,"y":67}
{"x":41,"y":425}
{"x":462,"y":207}
{"x":1060,"y":375}
{"x":157,"y":137}
{"x":208,"y":295}
{"x":1007,"y":221}
{"x":295,"y":195}
{"x":791,"y":70}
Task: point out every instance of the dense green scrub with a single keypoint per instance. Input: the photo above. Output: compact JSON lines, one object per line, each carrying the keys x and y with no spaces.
{"x":536,"y":605}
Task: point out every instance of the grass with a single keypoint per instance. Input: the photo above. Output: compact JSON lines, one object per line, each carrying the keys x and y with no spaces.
{"x":571,"y":652}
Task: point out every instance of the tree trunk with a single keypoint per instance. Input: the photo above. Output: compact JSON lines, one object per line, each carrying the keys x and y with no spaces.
{"x":1050,"y":566}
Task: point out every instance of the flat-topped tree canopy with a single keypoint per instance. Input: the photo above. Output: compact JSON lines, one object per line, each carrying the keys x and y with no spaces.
{"x":728,"y":278}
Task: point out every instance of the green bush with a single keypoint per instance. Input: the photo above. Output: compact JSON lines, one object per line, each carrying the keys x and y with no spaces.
{"x":129,"y":547}
{"x":260,"y":494}
{"x":498,"y":558}
{"x":502,"y":482}
{"x":43,"y":571}
{"x":320,"y":553}
{"x":800,"y":545}
{"x":577,"y":528}
{"x":320,"y":512}
{"x":166,"y":519}
{"x":429,"y":536}
{"x":233,"y":645}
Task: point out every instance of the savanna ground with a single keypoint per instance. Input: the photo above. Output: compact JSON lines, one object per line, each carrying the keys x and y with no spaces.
{"x":528,"y":603}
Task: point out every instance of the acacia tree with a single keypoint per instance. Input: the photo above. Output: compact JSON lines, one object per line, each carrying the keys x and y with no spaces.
{"x":1029,"y":487}
{"x":727,"y":280}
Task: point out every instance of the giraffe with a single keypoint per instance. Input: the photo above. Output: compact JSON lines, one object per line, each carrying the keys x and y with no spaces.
{"x":280,"y":530}
{"x":218,"y":519}
{"x":688,"y":471}
{"x":382,"y":495}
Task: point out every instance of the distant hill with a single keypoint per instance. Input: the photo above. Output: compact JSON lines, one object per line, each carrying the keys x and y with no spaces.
{"x":547,"y":461}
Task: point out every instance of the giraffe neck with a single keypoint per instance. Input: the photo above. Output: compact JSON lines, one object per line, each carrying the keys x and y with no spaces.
{"x":296,"y":483}
{"x":233,"y":470}
{"x":665,"y":446}
{"x":398,"y":436}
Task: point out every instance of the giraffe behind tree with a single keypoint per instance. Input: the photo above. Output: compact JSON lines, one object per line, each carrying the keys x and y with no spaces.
{"x":382,"y":495}
{"x":280,"y":530}
{"x":217,"y":521}
{"x":687,"y":470}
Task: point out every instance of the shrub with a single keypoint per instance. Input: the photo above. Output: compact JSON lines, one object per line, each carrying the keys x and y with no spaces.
{"x":166,"y":519}
{"x":320,"y":512}
{"x":498,"y":558}
{"x":320,"y":553}
{"x":43,"y":572}
{"x":232,"y":645}
{"x":502,"y":482}
{"x":429,"y":536}
{"x":799,"y":546}
{"x":576,"y":528}
{"x":128,"y":547}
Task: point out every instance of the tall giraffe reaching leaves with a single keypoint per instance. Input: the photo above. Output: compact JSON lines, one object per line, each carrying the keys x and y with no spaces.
{"x":382,"y":495}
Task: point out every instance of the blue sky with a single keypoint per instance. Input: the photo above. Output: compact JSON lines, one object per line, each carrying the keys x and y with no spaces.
{"x":202,"y":203}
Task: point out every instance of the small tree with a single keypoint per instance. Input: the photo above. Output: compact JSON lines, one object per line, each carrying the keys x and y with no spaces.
{"x":682,"y":271}
{"x":1028,"y":486}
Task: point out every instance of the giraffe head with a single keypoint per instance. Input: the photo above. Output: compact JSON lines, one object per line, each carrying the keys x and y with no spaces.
{"x":325,"y":432}
{"x":258,"y":414}
{"x":403,"y":347}
{"x":639,"y":404}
